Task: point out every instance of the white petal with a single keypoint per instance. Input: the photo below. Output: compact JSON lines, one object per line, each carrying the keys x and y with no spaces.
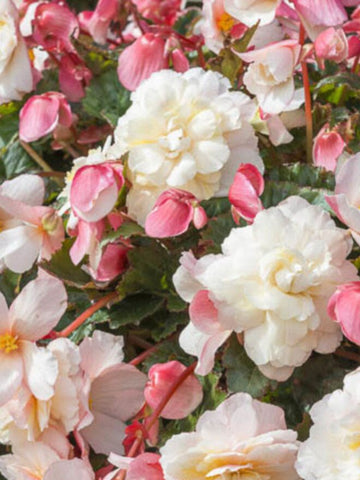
{"x":29,"y":189}
{"x":11,"y":374}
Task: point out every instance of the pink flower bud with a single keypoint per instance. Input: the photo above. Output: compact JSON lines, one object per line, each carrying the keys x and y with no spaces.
{"x":74,"y":76}
{"x":97,"y":23}
{"x":244,"y":193}
{"x":142,"y":58}
{"x":113,"y":262}
{"x":172,"y":214}
{"x":332,"y":44}
{"x":180,"y":62}
{"x":328,"y":146}
{"x":159,"y":11}
{"x":344,"y":308}
{"x":94,"y":191}
{"x":41,"y":114}
{"x":186,"y":398}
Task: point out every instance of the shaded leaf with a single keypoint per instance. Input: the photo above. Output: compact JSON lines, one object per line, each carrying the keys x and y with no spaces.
{"x":133,"y":309}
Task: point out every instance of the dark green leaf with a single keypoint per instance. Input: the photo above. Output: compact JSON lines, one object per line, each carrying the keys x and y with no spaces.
{"x":133,"y":309}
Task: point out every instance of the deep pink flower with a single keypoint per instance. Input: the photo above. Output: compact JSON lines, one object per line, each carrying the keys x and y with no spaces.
{"x":41,"y":114}
{"x":332,"y":44}
{"x":142,"y":58}
{"x":244,"y":193}
{"x":328,"y":146}
{"x":186,"y":398}
{"x":159,"y":11}
{"x":97,"y":23}
{"x":74,"y":76}
{"x":344,"y":308}
{"x":172,"y":214}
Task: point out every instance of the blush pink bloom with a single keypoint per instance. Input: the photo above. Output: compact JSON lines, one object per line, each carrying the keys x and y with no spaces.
{"x":244,"y":193}
{"x":113,"y":262}
{"x":142,"y":58}
{"x":29,"y":231}
{"x":88,"y":235}
{"x":332,"y":44}
{"x":172,"y":214}
{"x":346,"y":201}
{"x":54,"y":25}
{"x":41,"y":114}
{"x":34,"y":312}
{"x":328,"y":146}
{"x":97,"y":23}
{"x":159,"y":11}
{"x":16,"y":77}
{"x":318,"y":15}
{"x":144,"y":466}
{"x":271,"y":74}
{"x":186,"y":398}
{"x":113,"y":391}
{"x":344,"y":308}
{"x":94,"y":190}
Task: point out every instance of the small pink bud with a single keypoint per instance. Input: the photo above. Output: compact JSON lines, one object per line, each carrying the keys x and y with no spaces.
{"x":332,"y":44}
{"x":344,"y":308}
{"x":142,"y":58}
{"x":180,"y":62}
{"x":186,"y":398}
{"x":172,"y":214}
{"x":74,"y":76}
{"x":328,"y":146}
{"x":113,"y":262}
{"x":244,"y":193}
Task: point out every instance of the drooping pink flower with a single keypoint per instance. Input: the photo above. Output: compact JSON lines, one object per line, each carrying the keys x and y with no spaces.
{"x":97,"y":23}
{"x":179,"y":60}
{"x":186,"y":398}
{"x":41,"y":114}
{"x":344,"y":308}
{"x":144,"y":466}
{"x":88,"y":235}
{"x":35,"y":311}
{"x":142,"y":58}
{"x":159,"y":11}
{"x":332,"y":44}
{"x":318,"y":15}
{"x":113,"y":262}
{"x":94,"y":190}
{"x":346,"y":201}
{"x":244,"y":193}
{"x":328,"y":146}
{"x":74,"y":76}
{"x":54,"y":25}
{"x":172,"y":214}
{"x":29,"y":230}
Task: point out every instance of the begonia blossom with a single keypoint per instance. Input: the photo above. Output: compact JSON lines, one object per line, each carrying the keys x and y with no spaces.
{"x":271,"y":74}
{"x":16,"y":77}
{"x":98,"y":22}
{"x":332,"y":449}
{"x":34,"y":312}
{"x":144,"y":466}
{"x":242,"y":438}
{"x":332,"y":44}
{"x":186,"y":131}
{"x":252,"y":11}
{"x":344,"y":308}
{"x":29,"y":231}
{"x":272,"y":283}
{"x":328,"y":146}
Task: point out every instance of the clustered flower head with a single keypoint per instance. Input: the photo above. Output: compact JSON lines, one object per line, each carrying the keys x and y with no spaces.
{"x":178,"y":202}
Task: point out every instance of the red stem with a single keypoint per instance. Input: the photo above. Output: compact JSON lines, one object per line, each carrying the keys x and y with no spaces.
{"x":155,"y":415}
{"x":88,"y":312}
{"x":140,"y":358}
{"x":308,"y":114}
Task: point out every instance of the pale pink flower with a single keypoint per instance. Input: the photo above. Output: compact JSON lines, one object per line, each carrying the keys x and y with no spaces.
{"x":35,"y":311}
{"x":344,"y":308}
{"x":328,"y":146}
{"x":41,"y":114}
{"x":252,"y":11}
{"x":242,"y":438}
{"x":145,"y":466}
{"x":114,"y":392}
{"x":346,"y":201}
{"x":172,"y":214}
{"x":142,"y":58}
{"x":29,"y":231}
{"x":244,"y":192}
{"x":160,"y":11}
{"x":16,"y":77}
{"x":318,"y":15}
{"x":186,"y":398}
{"x":88,"y":236}
{"x":271,"y":74}
{"x":332,"y":44}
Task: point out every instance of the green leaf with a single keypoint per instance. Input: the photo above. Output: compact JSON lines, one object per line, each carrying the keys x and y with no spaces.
{"x":175,"y":303}
{"x":62,"y":266}
{"x":134,"y":309}
{"x":126,"y":230}
{"x":88,"y":327}
{"x":16,"y":161}
{"x":344,"y":78}
{"x":242,"y":374}
{"x":216,"y":231}
{"x":216,"y":206}
{"x":163,"y":323}
{"x":106,"y":98}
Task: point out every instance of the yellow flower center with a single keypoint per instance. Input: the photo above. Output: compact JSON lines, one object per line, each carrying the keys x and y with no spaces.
{"x":8,"y":343}
{"x":225,"y":22}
